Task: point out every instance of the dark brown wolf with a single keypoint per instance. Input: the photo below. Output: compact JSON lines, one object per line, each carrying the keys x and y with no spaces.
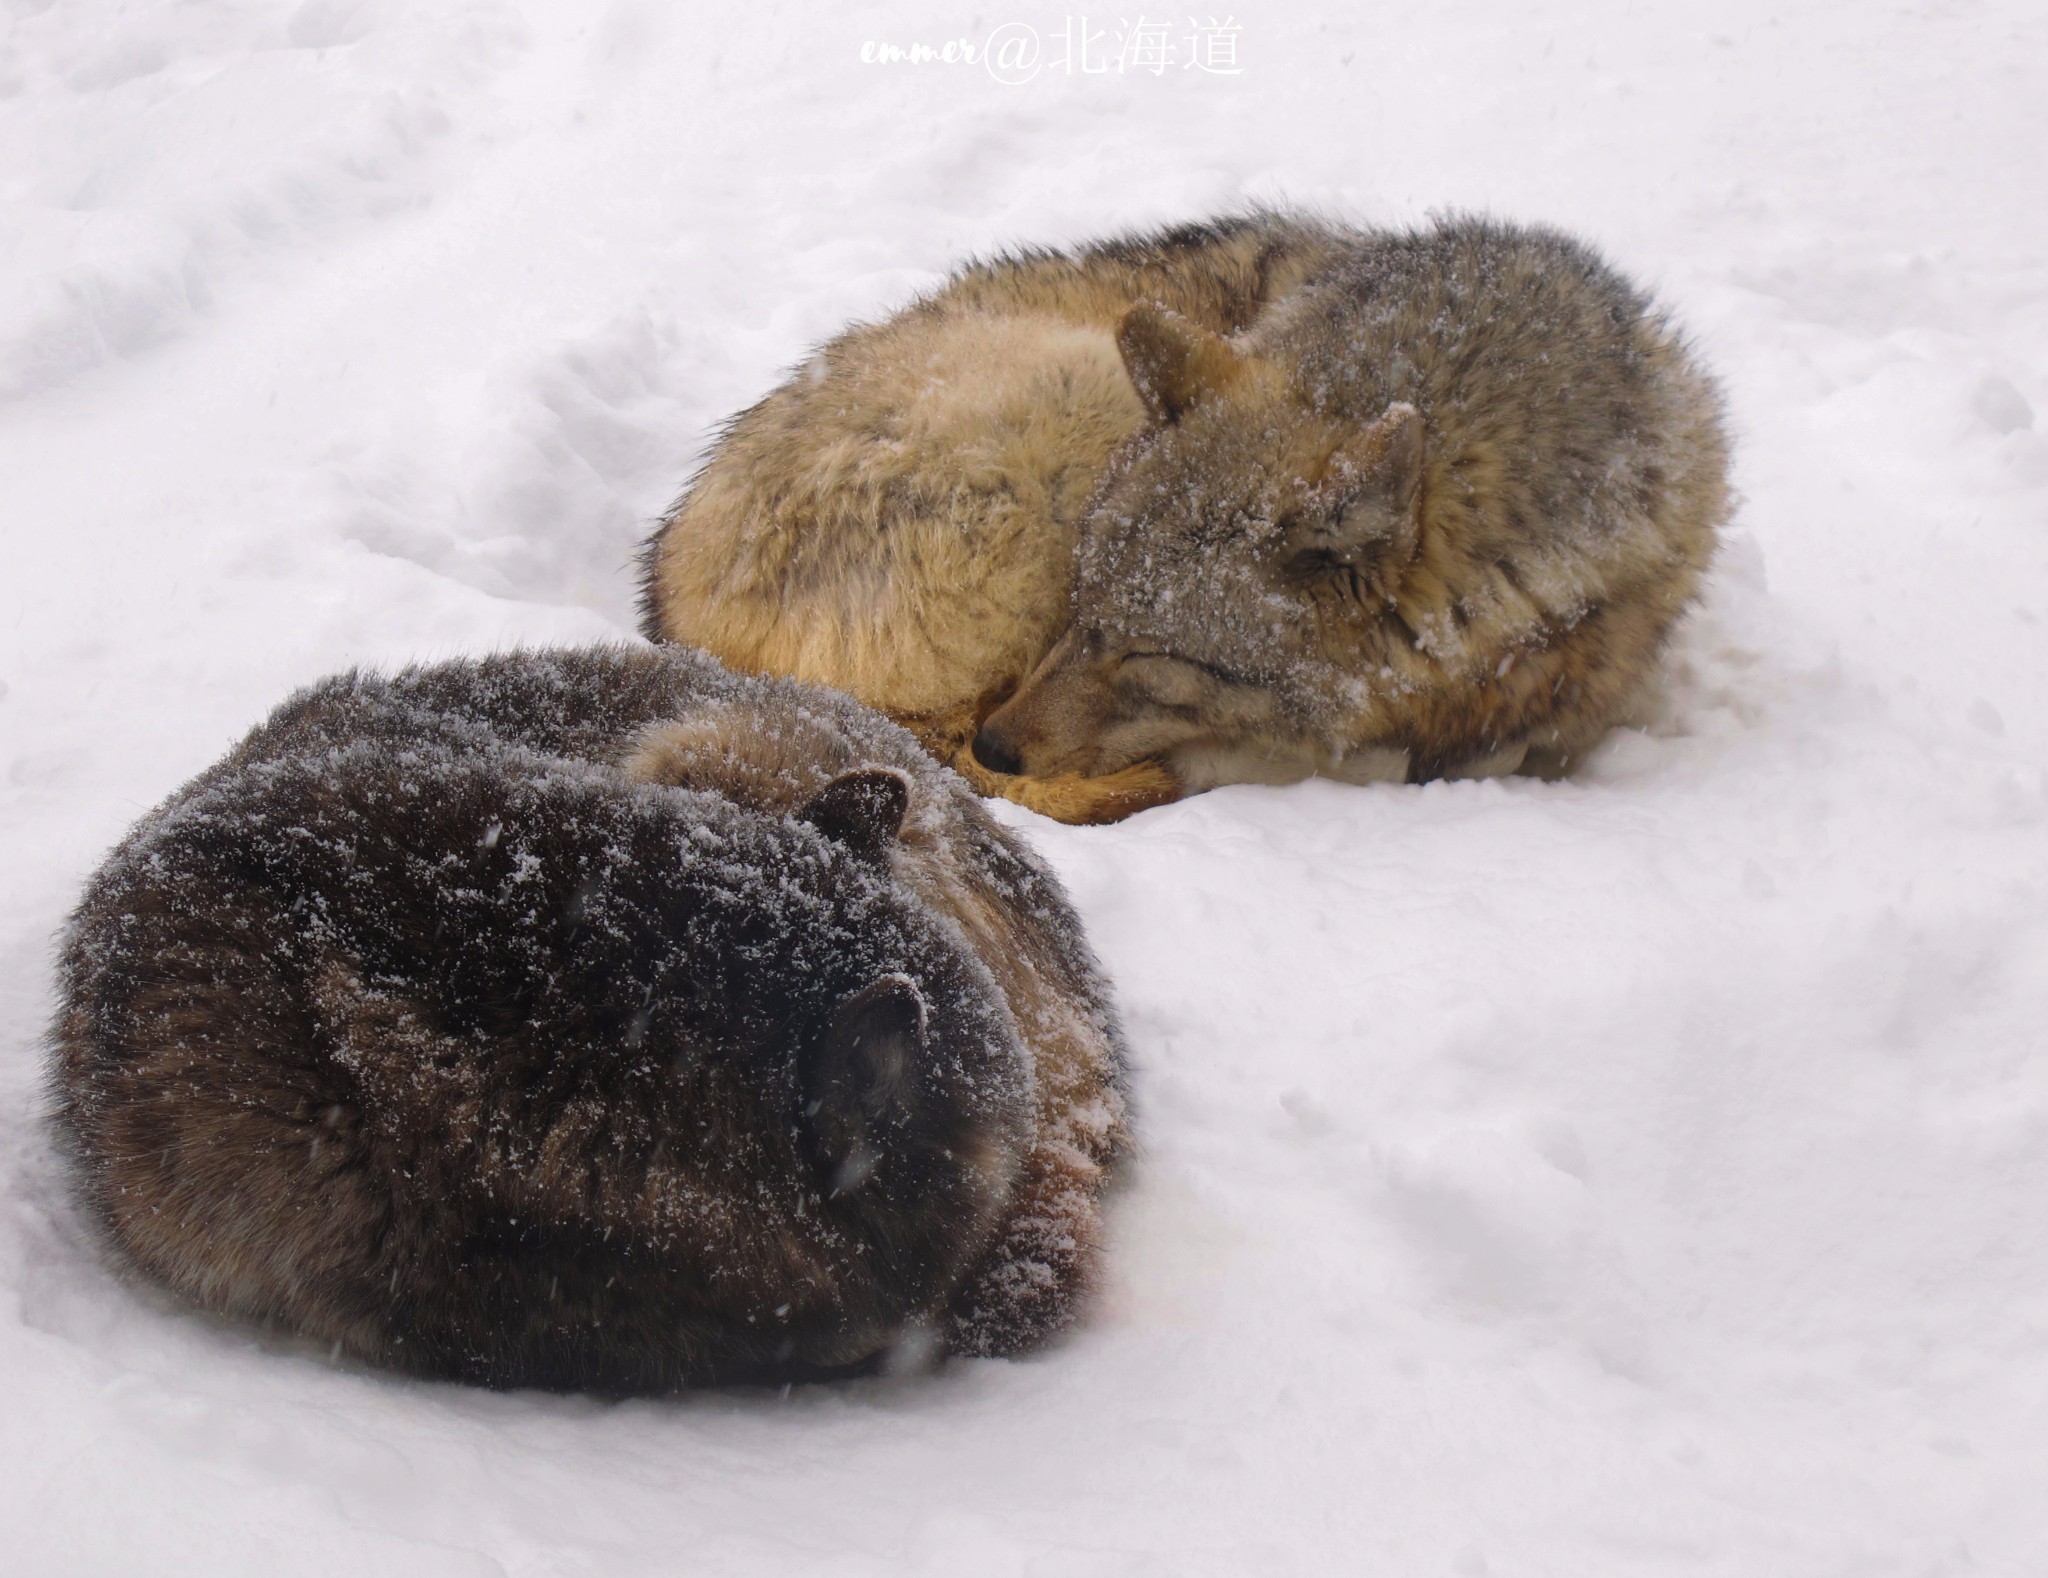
{"x":591,"y":1019}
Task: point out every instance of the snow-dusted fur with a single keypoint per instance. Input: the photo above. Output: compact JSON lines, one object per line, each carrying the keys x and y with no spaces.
{"x":898,"y":519}
{"x":591,"y":1018}
{"x":1431,"y":514}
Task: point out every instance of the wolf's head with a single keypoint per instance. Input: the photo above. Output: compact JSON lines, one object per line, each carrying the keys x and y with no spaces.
{"x":848,"y":1100}
{"x":1222,"y":545}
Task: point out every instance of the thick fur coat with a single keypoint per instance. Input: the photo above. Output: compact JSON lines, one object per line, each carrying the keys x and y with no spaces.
{"x":591,"y":1019}
{"x":1241,"y":501}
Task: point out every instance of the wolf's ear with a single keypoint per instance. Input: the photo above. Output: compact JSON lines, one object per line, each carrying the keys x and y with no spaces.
{"x":1172,"y":362}
{"x":1365,"y":511}
{"x":862,"y":809}
{"x":1382,"y":462}
{"x":862,"y":1075}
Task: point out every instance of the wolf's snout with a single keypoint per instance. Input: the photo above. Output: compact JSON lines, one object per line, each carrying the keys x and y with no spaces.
{"x":995,"y":753}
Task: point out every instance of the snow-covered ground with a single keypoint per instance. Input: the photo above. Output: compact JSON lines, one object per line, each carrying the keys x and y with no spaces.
{"x":1643,"y":1174}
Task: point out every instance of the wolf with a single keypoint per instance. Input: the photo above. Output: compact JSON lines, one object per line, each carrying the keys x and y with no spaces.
{"x":898,"y":519}
{"x":1432,"y":514}
{"x":592,"y":1019}
{"x":1397,"y":504}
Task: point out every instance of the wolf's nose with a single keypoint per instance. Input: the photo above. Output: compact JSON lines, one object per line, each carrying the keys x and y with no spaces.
{"x":991,"y":751}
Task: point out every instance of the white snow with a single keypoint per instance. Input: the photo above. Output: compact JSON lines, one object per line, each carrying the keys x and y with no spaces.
{"x":1640,"y":1174}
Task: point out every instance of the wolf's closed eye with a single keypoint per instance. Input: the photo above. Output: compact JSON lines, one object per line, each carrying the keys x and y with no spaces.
{"x":1164,"y":679}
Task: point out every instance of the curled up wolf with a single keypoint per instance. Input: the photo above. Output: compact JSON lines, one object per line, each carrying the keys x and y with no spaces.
{"x":591,"y":1019}
{"x":1245,"y":501}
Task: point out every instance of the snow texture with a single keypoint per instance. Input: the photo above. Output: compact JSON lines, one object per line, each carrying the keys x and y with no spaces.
{"x":1635,"y":1174}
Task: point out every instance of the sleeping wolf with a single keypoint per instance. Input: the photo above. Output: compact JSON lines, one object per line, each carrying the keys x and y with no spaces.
{"x":591,"y":1019}
{"x":1377,"y":505}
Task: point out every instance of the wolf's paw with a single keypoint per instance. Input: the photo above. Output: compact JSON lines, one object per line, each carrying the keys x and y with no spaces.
{"x":1069,"y":797}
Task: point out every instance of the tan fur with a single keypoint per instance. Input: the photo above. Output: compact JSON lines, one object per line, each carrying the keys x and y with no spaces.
{"x":898,"y":519}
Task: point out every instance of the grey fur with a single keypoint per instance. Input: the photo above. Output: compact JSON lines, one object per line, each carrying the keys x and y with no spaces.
{"x":1433,"y":512}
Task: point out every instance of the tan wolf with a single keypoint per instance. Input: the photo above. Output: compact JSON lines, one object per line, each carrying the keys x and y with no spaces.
{"x":1419,"y":504}
{"x":898,"y":519}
